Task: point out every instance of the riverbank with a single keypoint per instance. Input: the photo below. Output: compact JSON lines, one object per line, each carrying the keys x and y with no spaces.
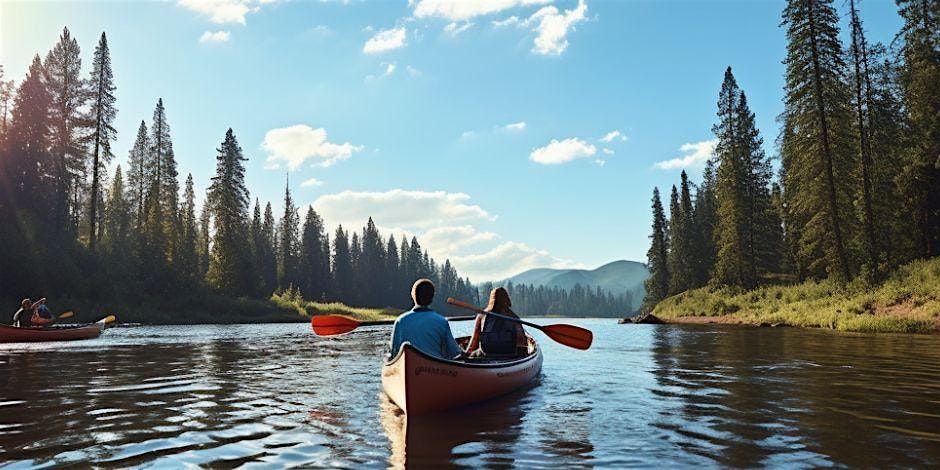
{"x":907,"y":302}
{"x":207,"y":309}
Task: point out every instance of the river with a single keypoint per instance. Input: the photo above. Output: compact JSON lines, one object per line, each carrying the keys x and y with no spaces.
{"x":643,"y":395}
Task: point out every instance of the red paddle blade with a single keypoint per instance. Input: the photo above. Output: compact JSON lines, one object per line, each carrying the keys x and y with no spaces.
{"x":329,"y":325}
{"x":569,"y":335}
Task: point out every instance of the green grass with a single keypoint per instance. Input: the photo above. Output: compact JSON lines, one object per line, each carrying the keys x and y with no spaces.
{"x":907,"y":302}
{"x":292,"y":299}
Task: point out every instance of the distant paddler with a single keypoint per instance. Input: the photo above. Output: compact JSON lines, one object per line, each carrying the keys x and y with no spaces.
{"x":32,"y":313}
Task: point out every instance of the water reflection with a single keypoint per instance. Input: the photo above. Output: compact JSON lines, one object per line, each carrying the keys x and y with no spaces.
{"x":483,"y":435}
{"x":766,"y":398}
{"x":644,"y":395}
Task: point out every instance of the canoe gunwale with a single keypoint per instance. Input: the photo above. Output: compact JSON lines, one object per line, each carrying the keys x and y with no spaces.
{"x":475,"y":365}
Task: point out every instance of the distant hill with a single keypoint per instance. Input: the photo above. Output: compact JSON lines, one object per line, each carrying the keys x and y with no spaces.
{"x":616,"y":277}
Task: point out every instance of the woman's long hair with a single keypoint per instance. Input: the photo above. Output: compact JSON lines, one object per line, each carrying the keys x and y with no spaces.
{"x":499,"y":301}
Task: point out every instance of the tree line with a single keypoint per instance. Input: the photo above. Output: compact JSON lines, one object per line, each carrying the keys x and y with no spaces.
{"x":71,"y":231}
{"x":579,"y":301}
{"x":859,"y":165}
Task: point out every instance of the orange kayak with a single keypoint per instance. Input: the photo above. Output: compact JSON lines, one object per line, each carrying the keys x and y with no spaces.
{"x":11,"y":334}
{"x":420,"y":383}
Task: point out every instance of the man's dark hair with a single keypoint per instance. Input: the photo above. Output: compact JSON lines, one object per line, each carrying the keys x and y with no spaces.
{"x":423,"y":292}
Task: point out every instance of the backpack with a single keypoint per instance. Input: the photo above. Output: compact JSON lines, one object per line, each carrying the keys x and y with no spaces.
{"x":499,"y":336}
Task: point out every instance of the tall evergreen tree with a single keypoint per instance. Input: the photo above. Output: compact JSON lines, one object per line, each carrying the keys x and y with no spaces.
{"x":269,"y":251}
{"x":342,"y":266}
{"x":62,"y":70}
{"x":101,"y":121}
{"x":681,"y":229}
{"x":188,"y":261}
{"x":919,"y":75}
{"x":28,"y":160}
{"x":229,"y":266}
{"x":706,"y":203}
{"x":657,"y":285}
{"x":138,"y":178}
{"x":118,"y":223}
{"x":818,"y":167}
{"x":288,"y":258}
{"x":314,"y":262}
{"x":7,"y":90}
{"x":373,"y":270}
{"x":204,"y":251}
{"x":393,"y":284}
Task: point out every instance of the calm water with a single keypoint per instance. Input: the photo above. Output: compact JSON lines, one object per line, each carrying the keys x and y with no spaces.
{"x":644,"y":395}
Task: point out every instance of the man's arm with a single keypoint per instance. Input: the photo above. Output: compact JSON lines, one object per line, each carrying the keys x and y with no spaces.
{"x":450,"y":348}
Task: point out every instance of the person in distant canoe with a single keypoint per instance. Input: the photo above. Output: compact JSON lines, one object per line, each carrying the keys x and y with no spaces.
{"x":493,"y":336}
{"x":424,"y":328}
{"x":32,"y":313}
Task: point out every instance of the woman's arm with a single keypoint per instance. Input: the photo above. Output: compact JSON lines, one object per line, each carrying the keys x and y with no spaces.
{"x":475,"y":337}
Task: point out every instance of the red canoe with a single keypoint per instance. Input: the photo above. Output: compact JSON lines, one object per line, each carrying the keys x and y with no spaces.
{"x":419,"y":383}
{"x":10,"y":334}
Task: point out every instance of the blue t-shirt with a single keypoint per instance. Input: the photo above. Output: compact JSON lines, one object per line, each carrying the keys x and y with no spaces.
{"x":427,"y":331}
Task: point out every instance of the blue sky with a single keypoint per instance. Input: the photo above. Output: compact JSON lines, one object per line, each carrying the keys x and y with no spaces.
{"x":478,"y":126}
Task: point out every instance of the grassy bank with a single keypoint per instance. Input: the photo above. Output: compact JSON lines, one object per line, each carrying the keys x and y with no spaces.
{"x":210,"y":308}
{"x":908,"y":302}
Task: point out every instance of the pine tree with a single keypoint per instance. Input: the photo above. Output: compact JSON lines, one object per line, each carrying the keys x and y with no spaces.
{"x":229,"y":267}
{"x":919,"y":75}
{"x":372,"y":269}
{"x":391,"y":295}
{"x":188,"y":262}
{"x":681,"y":255}
{"x":704,"y":221}
{"x":270,"y":250}
{"x":204,"y":250}
{"x":118,"y":224}
{"x":356,"y":294}
{"x":138,"y":177}
{"x":288,"y":258}
{"x":314,"y":262}
{"x":101,"y":118}
{"x":28,"y":159}
{"x":817,"y":173}
{"x":657,"y":285}
{"x":342,"y":266}
{"x":62,"y":70}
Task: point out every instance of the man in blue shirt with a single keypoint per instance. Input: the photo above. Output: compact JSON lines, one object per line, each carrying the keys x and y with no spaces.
{"x":424,"y":328}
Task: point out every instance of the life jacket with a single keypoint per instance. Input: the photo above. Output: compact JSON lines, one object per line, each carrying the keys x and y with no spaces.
{"x":499,"y":336}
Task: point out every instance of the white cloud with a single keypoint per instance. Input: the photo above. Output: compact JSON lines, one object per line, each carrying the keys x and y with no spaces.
{"x":292,"y":146}
{"x":463,"y":10}
{"x":454,"y":28}
{"x":610,"y":136}
{"x":607,"y":151}
{"x":514,"y":127}
{"x":410,"y":210}
{"x":557,"y":152}
{"x":224,"y":11}
{"x":553,"y":27}
{"x":389,"y":69}
{"x":412,"y":72}
{"x":218,"y":36}
{"x":600,"y":162}
{"x":449,"y":241}
{"x":695,"y":153}
{"x":505,"y":260}
{"x":385,"y":40}
{"x":320,"y":30}
{"x":511,"y":21}
{"x":467,"y":135}
{"x":311,"y":183}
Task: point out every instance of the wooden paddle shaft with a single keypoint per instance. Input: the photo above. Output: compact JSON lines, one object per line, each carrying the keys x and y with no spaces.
{"x":389,"y":322}
{"x":467,"y":306}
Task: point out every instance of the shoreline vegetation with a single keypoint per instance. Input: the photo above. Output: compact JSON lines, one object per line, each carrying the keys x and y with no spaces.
{"x":840,"y":227}
{"x":907,"y":302}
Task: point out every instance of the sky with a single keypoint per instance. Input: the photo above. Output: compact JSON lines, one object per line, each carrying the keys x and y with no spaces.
{"x":504,"y":134}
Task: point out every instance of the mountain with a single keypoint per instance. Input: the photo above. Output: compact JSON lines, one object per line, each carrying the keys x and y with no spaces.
{"x":616,"y":277}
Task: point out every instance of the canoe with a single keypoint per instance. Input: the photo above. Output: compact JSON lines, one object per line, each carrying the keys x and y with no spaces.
{"x":420,"y":383}
{"x":11,"y":334}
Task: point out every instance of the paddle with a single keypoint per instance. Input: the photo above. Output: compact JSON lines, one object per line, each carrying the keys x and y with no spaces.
{"x":107,"y":319}
{"x":66,"y":314}
{"x":569,"y":335}
{"x":331,"y":325}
